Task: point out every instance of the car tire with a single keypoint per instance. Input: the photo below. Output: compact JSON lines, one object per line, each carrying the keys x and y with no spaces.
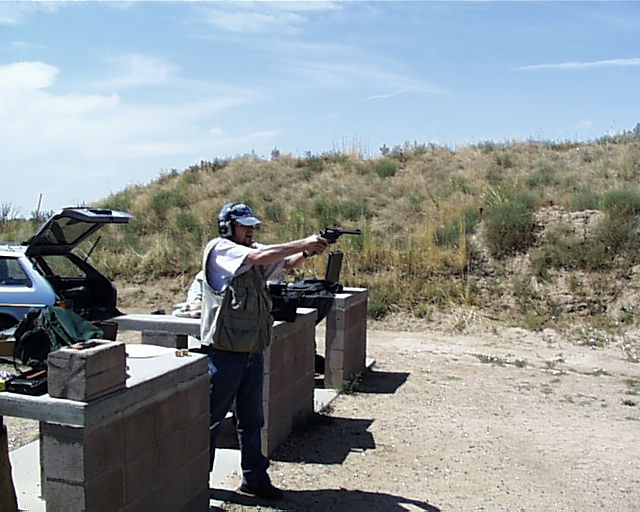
{"x":7,"y":322}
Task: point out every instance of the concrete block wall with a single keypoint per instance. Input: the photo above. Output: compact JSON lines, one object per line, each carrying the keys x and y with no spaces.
{"x":346,"y":337}
{"x":151,"y":455}
{"x":288,"y":380}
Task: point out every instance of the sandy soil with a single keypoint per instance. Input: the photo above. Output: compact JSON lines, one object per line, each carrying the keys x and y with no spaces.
{"x":493,"y":419}
{"x":503,"y":421}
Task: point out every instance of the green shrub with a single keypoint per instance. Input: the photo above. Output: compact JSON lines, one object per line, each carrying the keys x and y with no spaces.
{"x":353,"y":209}
{"x":274,"y":212}
{"x":619,"y":237}
{"x":495,"y":177}
{"x":505,"y":159}
{"x":561,"y":248}
{"x":465,"y":224}
{"x":120,"y":201}
{"x":622,"y":203}
{"x":585,"y":201}
{"x":381,"y":301}
{"x":545,"y":176}
{"x":164,"y":200}
{"x":187,"y":225}
{"x":326,"y":211}
{"x":191,"y":176}
{"x":510,"y":226}
{"x":386,"y":168}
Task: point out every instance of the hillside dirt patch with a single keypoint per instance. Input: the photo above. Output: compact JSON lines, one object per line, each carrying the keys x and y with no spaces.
{"x":488,"y":419}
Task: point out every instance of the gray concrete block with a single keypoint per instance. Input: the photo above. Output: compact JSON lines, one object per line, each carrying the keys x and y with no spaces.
{"x":197,"y":436}
{"x":77,"y":455}
{"x":102,"y":494}
{"x":141,"y":474}
{"x":163,"y":339}
{"x":199,"y":503}
{"x":195,"y":476}
{"x":141,"y":429}
{"x":172,"y":453}
{"x":88,"y":370}
{"x":146,"y":503}
{"x":173,"y":413}
{"x":105,"y":493}
{"x":63,"y":497}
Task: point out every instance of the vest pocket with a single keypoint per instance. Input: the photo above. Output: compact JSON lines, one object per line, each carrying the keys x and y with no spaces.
{"x":239,"y":333}
{"x":242,"y":299}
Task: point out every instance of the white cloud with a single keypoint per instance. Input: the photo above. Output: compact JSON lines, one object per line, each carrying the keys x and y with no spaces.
{"x":27,"y":75}
{"x":15,"y":13}
{"x":262,"y":17}
{"x":255,"y":22}
{"x":387,"y":95}
{"x":350,"y":72}
{"x":77,"y":146}
{"x":136,"y":70}
{"x":585,"y":65}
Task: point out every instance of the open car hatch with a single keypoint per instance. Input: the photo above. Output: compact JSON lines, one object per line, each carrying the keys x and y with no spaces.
{"x":69,"y":227}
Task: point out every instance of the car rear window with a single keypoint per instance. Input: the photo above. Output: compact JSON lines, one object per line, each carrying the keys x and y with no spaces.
{"x":12,"y":274}
{"x":62,"y":267}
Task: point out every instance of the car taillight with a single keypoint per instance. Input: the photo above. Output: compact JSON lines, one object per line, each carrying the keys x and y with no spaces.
{"x":63,"y":304}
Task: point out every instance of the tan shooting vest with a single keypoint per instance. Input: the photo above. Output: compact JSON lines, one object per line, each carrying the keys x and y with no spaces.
{"x":239,"y":318}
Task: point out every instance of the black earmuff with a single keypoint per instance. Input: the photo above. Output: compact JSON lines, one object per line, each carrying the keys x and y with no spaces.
{"x":225,"y":224}
{"x":225,"y":228}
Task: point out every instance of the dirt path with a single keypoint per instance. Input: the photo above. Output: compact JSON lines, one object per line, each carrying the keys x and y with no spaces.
{"x":509,"y":421}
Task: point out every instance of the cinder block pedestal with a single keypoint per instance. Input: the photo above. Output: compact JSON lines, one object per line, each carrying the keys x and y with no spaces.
{"x":288,"y":379}
{"x":144,"y":448}
{"x":346,"y":337}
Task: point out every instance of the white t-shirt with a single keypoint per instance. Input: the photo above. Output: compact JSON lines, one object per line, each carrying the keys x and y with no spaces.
{"x":226,"y":262}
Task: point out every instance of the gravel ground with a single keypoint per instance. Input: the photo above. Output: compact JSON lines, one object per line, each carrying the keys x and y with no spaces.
{"x":493,"y":419}
{"x":501,"y":421}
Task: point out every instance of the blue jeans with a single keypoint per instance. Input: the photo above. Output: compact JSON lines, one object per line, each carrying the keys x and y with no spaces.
{"x":239,"y":376}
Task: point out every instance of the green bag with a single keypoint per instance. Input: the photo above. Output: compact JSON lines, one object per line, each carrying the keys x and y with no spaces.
{"x":49,"y":329}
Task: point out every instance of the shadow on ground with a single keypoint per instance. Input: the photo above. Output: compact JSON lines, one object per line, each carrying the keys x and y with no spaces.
{"x":329,"y":440}
{"x":326,"y":440}
{"x":323,"y":500}
{"x":382,"y":382}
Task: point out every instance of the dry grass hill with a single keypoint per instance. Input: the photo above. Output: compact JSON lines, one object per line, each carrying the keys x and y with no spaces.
{"x":533,"y":234}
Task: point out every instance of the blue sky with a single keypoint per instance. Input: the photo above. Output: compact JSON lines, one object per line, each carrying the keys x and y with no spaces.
{"x":95,"y":96}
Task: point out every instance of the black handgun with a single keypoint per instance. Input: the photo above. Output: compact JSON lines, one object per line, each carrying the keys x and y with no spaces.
{"x":332,"y":234}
